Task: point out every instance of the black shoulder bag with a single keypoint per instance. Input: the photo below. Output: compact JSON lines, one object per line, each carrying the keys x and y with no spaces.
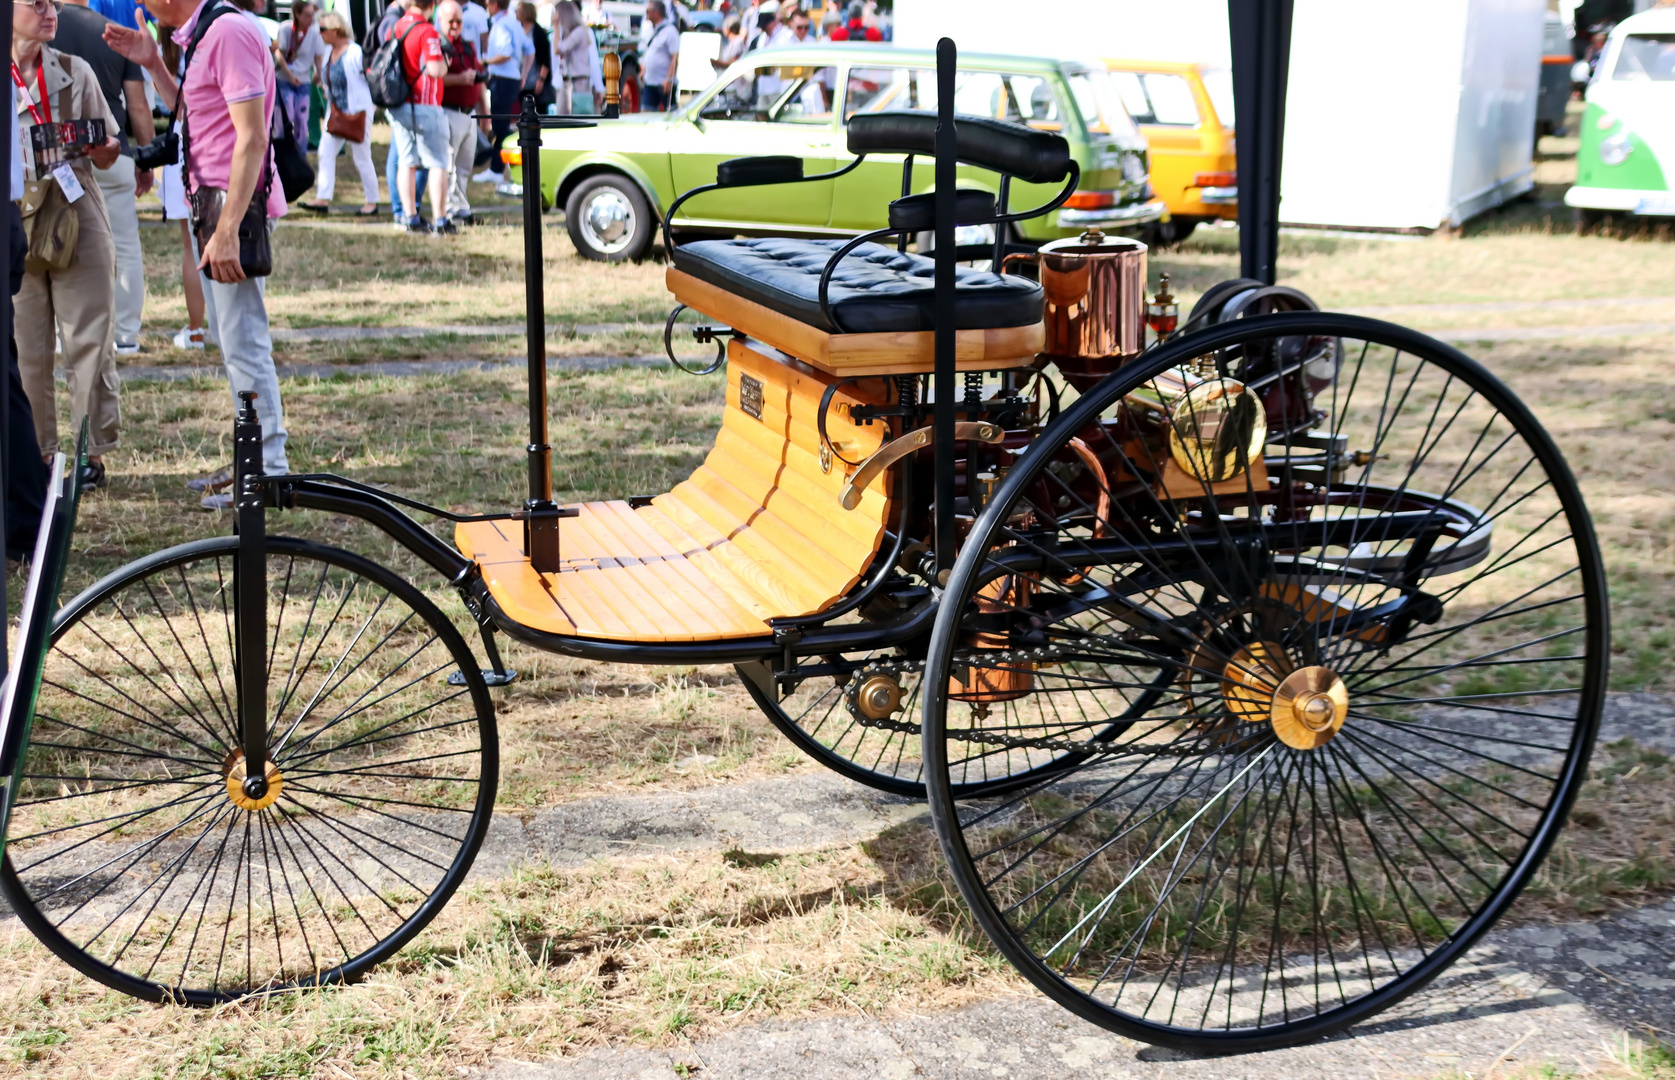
{"x":255,"y":250}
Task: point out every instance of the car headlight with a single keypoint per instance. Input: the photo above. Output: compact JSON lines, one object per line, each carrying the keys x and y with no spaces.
{"x":1615,"y":149}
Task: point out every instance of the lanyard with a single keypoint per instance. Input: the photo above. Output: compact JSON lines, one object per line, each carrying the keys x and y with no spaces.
{"x":41,"y":80}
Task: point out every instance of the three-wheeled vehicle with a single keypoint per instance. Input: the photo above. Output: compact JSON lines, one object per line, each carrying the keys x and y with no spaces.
{"x":1249,"y":674}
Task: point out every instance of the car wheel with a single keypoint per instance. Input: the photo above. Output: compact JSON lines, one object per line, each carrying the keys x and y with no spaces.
{"x":609,"y":220}
{"x":1166,"y":233}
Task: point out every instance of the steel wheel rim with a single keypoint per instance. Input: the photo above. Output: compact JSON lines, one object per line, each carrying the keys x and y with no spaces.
{"x":608,"y":221}
{"x":1588,"y":696}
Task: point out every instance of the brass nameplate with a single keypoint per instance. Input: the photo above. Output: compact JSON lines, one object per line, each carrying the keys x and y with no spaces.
{"x":750,"y":395}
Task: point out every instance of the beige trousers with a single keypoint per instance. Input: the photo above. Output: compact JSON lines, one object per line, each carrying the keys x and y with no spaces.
{"x":77,"y":305}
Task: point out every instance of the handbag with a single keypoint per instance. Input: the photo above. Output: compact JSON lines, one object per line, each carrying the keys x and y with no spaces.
{"x":51,"y":226}
{"x":350,"y":127}
{"x":255,"y":248}
{"x":296,"y":175}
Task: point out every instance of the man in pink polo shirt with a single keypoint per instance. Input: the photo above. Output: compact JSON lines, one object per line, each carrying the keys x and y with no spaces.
{"x":227,"y":101}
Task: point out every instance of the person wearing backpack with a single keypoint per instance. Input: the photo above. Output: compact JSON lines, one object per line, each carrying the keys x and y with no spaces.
{"x":418,"y":126}
{"x":226,"y":100}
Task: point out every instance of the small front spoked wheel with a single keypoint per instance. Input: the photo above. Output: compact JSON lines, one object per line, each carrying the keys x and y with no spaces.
{"x":135,"y":852}
{"x":1385,"y":650}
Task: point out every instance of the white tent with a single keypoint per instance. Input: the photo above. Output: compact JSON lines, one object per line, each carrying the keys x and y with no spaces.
{"x":1400,"y":114}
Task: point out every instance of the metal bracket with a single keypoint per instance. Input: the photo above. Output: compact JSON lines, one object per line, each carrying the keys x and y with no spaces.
{"x":896,"y":449}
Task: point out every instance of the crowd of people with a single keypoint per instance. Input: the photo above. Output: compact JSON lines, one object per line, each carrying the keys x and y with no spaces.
{"x":233,"y":93}
{"x":78,"y":285}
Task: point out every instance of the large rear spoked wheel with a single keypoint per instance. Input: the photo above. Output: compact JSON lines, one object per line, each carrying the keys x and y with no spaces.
{"x":134,"y":852}
{"x":1385,"y":645}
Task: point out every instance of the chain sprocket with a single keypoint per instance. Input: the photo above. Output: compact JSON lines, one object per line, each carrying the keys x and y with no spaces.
{"x":981,"y":736}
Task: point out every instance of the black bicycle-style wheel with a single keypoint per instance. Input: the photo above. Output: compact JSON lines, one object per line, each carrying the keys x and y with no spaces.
{"x":133,"y":852}
{"x":1372,"y":586}
{"x":863,"y":723}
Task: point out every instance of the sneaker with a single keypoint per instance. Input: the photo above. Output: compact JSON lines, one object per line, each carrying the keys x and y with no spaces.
{"x":445,"y":227}
{"x":417,"y":224}
{"x":189,"y":338}
{"x":219,"y":501}
{"x":509,"y":189}
{"x":463,"y":220}
{"x":215,"y":481}
{"x":128,"y":348}
{"x":487,"y":176}
{"x":92,"y":475}
{"x":398,"y":224}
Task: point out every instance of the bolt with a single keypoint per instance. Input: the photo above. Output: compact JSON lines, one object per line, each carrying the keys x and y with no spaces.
{"x":255,"y":787}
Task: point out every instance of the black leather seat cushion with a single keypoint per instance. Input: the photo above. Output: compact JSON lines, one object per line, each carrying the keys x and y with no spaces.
{"x":876,"y":289}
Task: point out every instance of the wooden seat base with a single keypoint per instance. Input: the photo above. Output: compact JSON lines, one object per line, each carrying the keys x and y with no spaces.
{"x":756,"y":533}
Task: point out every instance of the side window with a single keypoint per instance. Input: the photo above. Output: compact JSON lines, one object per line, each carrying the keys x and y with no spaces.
{"x":977,"y":93}
{"x":1031,"y":101}
{"x":810,"y":97}
{"x":1133,"y":97}
{"x":875,"y":90}
{"x":738,"y":100}
{"x":1171,"y":98}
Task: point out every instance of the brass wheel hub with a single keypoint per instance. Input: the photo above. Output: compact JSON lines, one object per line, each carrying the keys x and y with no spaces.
{"x":236,"y":788}
{"x":878,"y":697}
{"x":1306,"y":706}
{"x":1309,"y":707}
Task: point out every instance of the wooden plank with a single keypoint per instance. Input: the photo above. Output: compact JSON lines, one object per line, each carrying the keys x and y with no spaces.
{"x":798,"y":551}
{"x":820,"y":495}
{"x":743,"y":562}
{"x":631,"y":587}
{"x":703,"y":555}
{"x":696,"y":610}
{"x":859,"y":354}
{"x":814,"y":522}
{"x":729,"y":617}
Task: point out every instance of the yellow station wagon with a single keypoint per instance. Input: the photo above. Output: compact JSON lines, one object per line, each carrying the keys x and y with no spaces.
{"x":1185,"y":111}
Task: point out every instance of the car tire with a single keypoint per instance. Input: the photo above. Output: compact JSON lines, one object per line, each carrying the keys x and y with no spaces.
{"x":609,"y":219}
{"x":1167,"y":233}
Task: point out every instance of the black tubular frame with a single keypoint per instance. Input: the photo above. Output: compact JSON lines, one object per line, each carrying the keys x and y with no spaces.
{"x":669,"y":214}
{"x":998,"y":221}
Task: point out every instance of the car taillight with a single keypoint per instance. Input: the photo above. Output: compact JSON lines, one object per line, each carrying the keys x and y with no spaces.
{"x":512,"y":157}
{"x":1215,"y":179}
{"x":1091,"y":200}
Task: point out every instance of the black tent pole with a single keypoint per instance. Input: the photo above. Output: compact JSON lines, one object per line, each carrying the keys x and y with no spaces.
{"x":1260,"y":33}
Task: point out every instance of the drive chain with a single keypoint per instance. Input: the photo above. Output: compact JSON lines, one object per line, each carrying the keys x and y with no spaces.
{"x":980,"y":736}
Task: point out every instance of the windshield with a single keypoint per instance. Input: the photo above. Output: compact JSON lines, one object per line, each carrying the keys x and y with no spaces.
{"x":1219,"y":83}
{"x":1100,"y":105}
{"x":1646,"y":58}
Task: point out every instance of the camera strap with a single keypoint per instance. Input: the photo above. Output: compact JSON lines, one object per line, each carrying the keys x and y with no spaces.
{"x":213,"y":11}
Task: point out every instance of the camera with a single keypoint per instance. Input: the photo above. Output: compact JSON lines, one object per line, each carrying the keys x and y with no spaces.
{"x":163,"y":150}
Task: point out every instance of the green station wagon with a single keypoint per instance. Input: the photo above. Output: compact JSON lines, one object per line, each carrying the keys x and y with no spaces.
{"x":614,"y":180}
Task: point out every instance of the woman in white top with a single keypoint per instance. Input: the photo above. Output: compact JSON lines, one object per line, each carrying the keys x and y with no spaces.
{"x":347,"y":94}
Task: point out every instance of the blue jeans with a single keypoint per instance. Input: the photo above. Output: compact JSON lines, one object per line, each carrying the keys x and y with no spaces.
{"x":391,"y":164}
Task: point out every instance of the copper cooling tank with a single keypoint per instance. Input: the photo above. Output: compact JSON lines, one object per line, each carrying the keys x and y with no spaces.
{"x":1096,"y":303}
